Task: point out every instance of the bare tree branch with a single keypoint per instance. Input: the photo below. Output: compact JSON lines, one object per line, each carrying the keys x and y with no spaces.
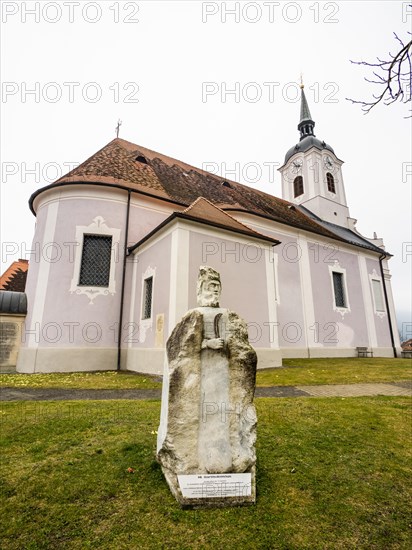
{"x":395,"y":75}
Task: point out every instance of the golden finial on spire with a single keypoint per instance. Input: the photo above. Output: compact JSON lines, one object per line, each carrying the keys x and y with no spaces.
{"x":301,"y":82}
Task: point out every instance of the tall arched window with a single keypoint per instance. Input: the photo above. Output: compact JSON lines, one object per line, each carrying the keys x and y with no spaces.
{"x":331,"y":182}
{"x":298,"y":186}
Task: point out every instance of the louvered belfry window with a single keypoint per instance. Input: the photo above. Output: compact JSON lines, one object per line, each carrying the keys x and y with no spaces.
{"x":338,"y":289}
{"x":331,"y":182}
{"x":298,"y":186}
{"x":96,"y":259}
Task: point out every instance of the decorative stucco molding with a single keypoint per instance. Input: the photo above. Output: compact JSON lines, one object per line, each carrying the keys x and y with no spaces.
{"x":146,"y":324}
{"x":336,"y":268}
{"x":375,"y":277}
{"x":97,"y":227}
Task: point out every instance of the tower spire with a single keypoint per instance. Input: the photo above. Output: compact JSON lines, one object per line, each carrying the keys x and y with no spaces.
{"x":306,"y":123}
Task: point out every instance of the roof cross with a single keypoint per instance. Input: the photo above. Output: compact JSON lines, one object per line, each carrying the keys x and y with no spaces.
{"x":119,"y":123}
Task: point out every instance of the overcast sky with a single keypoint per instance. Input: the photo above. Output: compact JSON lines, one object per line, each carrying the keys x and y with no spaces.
{"x":166,"y":69}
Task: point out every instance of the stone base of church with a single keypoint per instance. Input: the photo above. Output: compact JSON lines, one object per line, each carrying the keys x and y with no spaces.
{"x":10,"y":338}
{"x":386,"y":352}
{"x":304,"y":353}
{"x":268,"y":358}
{"x":32,"y":360}
{"x":144,"y":360}
{"x":151,"y":360}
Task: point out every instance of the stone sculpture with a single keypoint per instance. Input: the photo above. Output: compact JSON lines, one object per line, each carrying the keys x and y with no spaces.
{"x":208,"y":420}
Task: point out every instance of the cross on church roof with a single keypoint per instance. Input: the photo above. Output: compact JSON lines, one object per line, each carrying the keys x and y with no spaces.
{"x":119,"y":123}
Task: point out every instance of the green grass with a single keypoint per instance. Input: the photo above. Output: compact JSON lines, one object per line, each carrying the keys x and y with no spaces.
{"x":332,"y":474}
{"x":336,"y":371}
{"x":302,"y":371}
{"x":110,"y":380}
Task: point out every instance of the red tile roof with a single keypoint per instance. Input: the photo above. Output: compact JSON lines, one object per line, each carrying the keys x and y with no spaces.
{"x":14,"y":278}
{"x":203,"y":211}
{"x":179,"y":183}
{"x":407,"y":346}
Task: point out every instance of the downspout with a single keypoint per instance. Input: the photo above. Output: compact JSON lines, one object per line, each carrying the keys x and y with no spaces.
{"x":126,"y":238}
{"x":387,"y":304}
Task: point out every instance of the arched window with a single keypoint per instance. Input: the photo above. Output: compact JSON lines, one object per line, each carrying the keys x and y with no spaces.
{"x":298,"y":186}
{"x":331,"y":182}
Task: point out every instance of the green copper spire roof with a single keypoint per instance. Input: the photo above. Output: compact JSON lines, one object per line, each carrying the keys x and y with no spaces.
{"x":304,"y":107}
{"x":306,"y":123}
{"x":305,"y":127}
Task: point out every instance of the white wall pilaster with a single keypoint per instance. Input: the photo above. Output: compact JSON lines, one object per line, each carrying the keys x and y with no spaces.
{"x":307,"y":294}
{"x":132,"y":312}
{"x":367,"y":300}
{"x":179,"y":276}
{"x":39,"y":296}
{"x":271,"y":293}
{"x":388,"y":286}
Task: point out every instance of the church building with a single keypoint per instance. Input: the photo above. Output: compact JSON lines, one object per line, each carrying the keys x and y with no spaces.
{"x":119,"y":241}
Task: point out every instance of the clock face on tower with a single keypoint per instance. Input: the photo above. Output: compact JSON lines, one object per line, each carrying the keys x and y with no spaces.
{"x":329,"y":164}
{"x":295,"y":169}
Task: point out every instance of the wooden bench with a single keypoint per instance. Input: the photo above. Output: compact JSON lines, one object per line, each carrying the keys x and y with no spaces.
{"x":363,"y":351}
{"x":407,"y":353}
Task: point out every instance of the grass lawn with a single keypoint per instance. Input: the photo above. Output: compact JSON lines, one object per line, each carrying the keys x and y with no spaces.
{"x":336,"y":371}
{"x":294,"y":372}
{"x":109,"y":380}
{"x":332,"y":474}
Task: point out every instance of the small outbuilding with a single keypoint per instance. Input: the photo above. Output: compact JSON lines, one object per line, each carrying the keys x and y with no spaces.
{"x":13,"y":309}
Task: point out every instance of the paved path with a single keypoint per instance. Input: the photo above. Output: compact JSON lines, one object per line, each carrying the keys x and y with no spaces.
{"x":56,"y":394}
{"x":335,"y":390}
{"x":358,"y":390}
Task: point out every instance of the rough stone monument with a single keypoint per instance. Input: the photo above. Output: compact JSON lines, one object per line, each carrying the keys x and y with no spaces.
{"x":207,"y":432}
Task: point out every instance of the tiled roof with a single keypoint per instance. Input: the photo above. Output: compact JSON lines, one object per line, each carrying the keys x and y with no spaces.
{"x":407,"y":346}
{"x":14,"y":278}
{"x":203,"y":211}
{"x":345,"y":233}
{"x":129,"y":166}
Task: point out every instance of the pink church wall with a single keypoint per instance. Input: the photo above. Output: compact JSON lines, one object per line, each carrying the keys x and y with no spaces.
{"x":156,"y":257}
{"x":93,"y":325}
{"x":243,"y":273}
{"x":34,"y":263}
{"x":290,"y":311}
{"x":143,"y":220}
{"x":333,"y":329}
{"x":128,"y":331}
{"x":381,"y":322}
{"x":69,"y":320}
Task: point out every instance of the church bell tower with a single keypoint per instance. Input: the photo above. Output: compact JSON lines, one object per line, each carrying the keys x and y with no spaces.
{"x":312,"y":173}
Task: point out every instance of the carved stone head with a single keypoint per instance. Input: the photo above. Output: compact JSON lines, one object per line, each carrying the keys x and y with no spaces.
{"x":209,"y":287}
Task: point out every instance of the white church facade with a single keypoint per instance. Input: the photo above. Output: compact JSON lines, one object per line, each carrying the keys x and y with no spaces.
{"x":123,"y":236}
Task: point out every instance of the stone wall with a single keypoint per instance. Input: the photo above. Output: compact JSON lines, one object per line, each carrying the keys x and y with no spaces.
{"x":10,"y":339}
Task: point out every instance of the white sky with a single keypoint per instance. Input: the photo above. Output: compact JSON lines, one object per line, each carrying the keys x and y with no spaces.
{"x":163,"y":57}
